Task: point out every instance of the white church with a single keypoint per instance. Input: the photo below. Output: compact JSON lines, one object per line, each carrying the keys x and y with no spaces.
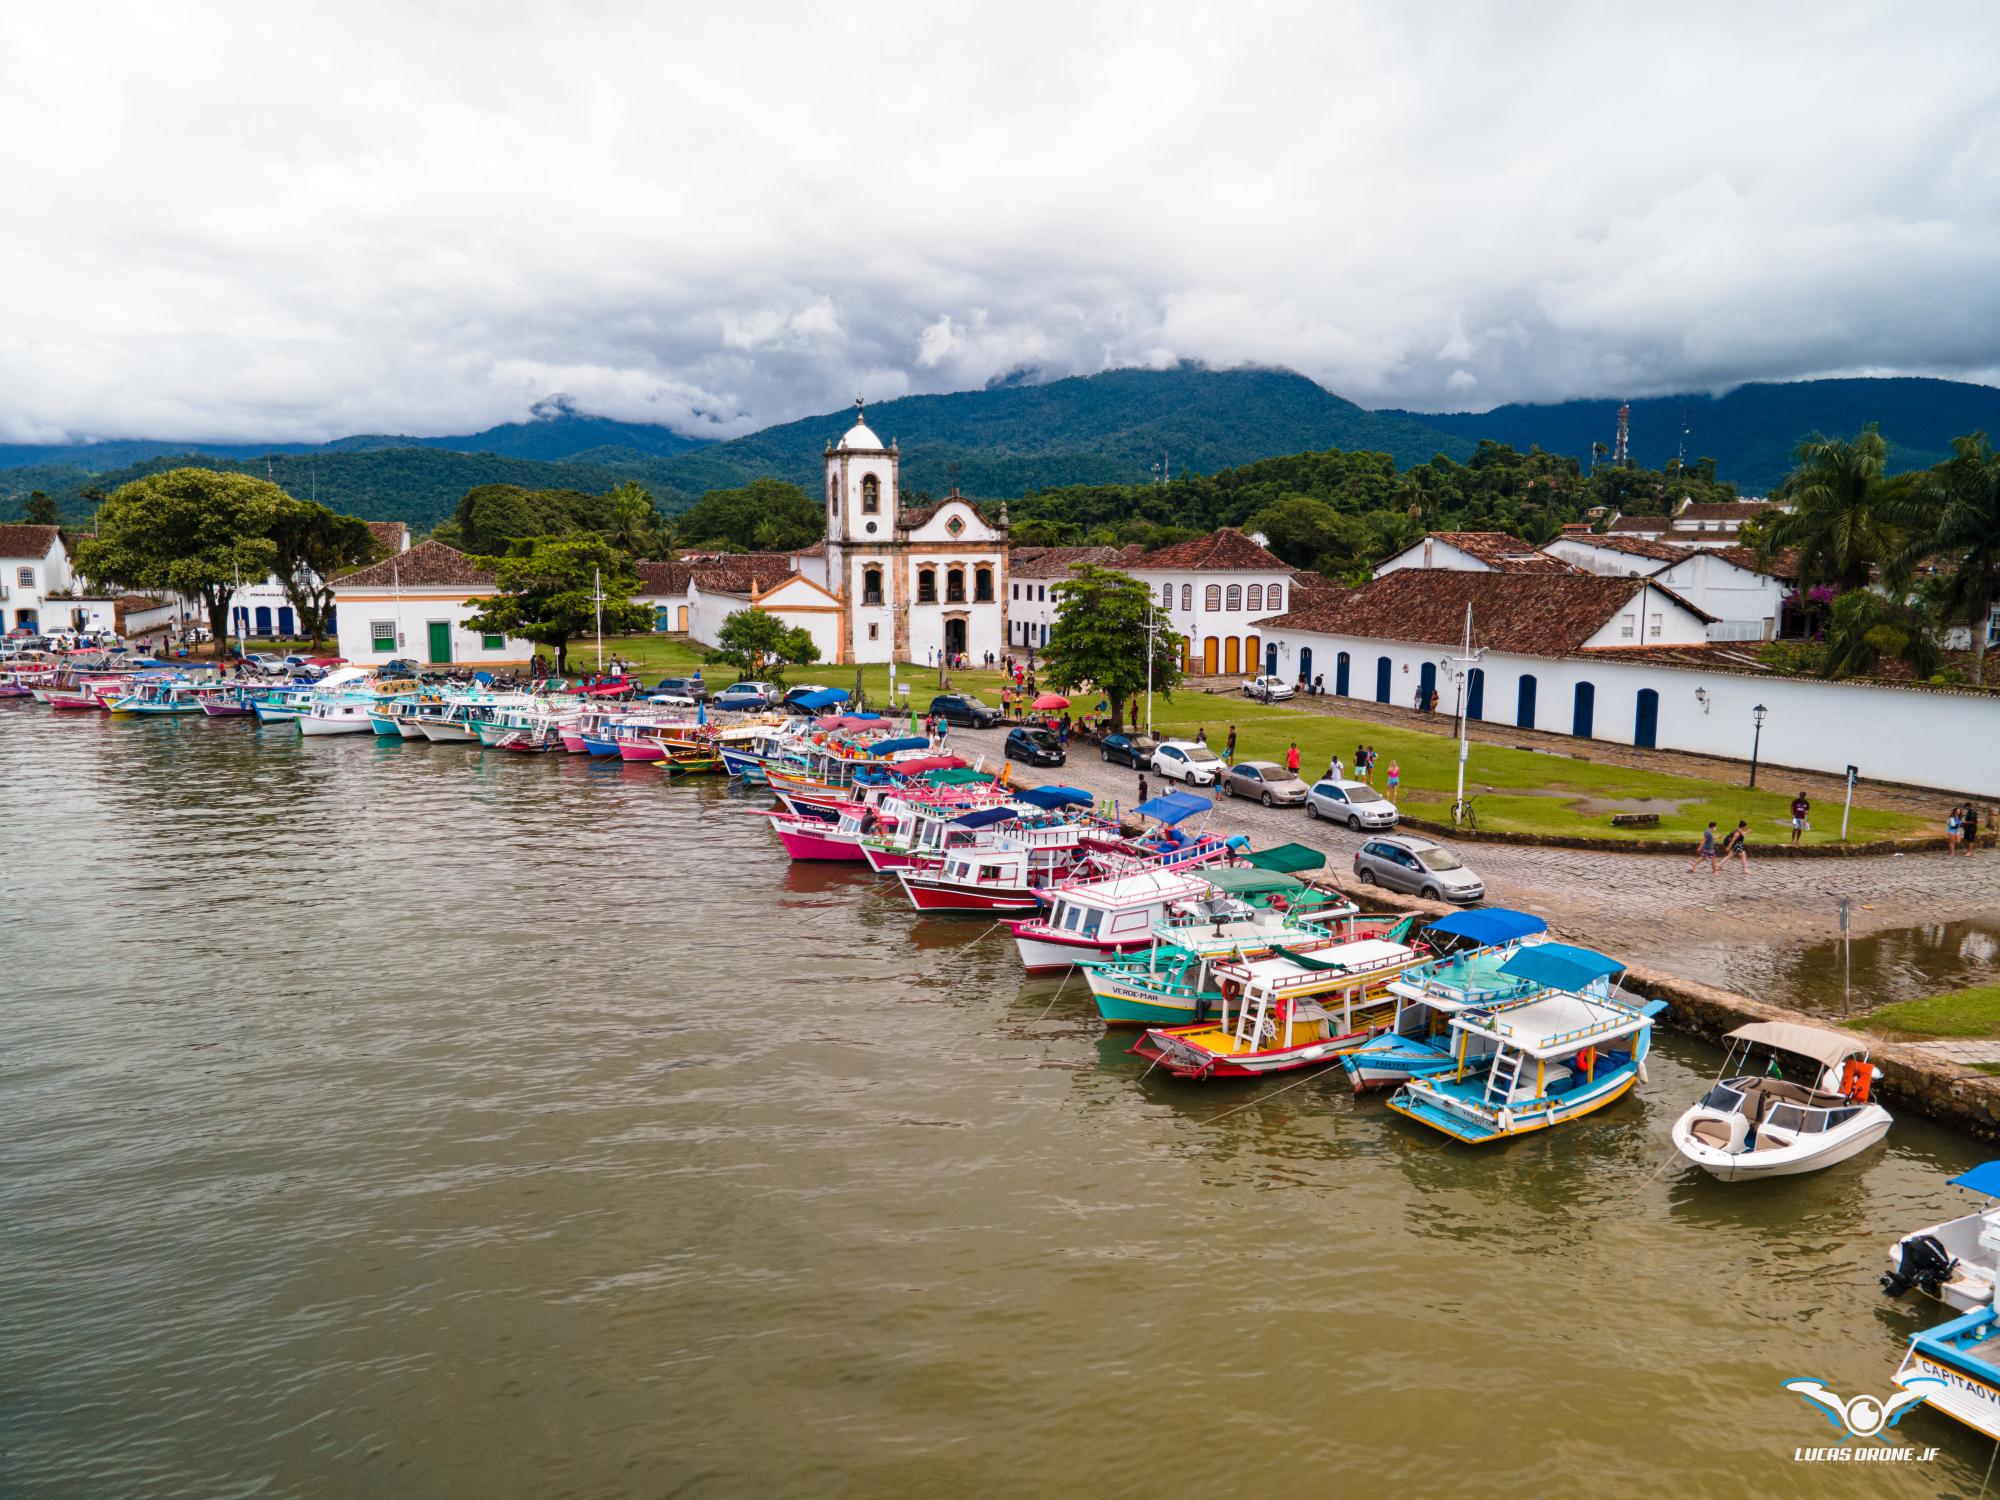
{"x":889,"y":582}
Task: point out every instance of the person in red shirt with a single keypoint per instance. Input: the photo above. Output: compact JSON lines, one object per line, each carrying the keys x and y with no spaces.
{"x":1292,"y":758}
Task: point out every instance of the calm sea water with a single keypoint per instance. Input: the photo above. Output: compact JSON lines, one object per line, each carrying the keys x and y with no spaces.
{"x":393,"y":1119}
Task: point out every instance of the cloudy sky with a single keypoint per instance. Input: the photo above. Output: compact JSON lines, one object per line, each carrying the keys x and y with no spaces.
{"x":275,"y":220}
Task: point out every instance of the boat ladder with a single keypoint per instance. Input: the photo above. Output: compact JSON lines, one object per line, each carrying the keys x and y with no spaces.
{"x":1502,"y":1077}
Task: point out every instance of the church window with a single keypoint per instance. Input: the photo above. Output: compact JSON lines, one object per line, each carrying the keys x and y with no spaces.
{"x":1166,"y":596}
{"x":954,"y":586}
{"x":982,"y":586}
{"x":1274,"y":598}
{"x":871,"y":586}
{"x":927,"y":585}
{"x":1187,"y":595}
{"x":955,"y":525}
{"x":1253,"y":597}
{"x":1235,"y":596}
{"x":871,"y":495}
{"x":1211,"y":598}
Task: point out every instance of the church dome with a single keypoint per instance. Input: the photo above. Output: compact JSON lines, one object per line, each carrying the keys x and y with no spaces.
{"x":860,"y":436}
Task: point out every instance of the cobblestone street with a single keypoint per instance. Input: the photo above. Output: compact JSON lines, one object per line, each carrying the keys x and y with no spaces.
{"x":1645,"y":908}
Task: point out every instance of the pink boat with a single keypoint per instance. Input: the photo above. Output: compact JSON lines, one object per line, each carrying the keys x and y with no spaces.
{"x":809,"y":838}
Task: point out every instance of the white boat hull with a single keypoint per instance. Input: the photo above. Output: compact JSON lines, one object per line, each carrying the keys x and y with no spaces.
{"x":313,"y":724}
{"x":448,"y":734}
{"x":1807,"y":1153}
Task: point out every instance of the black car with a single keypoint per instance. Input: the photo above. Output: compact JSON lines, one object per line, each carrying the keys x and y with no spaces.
{"x":686,"y":687}
{"x":965,"y":711}
{"x":1035,"y":746}
{"x":1133,"y":750}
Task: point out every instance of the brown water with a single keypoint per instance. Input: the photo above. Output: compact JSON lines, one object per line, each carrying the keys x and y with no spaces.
{"x":387,"y":1119}
{"x":1836,"y":978}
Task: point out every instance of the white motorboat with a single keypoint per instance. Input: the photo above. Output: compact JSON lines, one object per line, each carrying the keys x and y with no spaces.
{"x":1957,"y":1261}
{"x":1762,"y":1124}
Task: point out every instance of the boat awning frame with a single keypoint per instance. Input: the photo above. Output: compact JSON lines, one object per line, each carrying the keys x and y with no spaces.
{"x":824,"y":698}
{"x":1288,"y":859}
{"x":907,"y":742}
{"x":1561,"y":966}
{"x":1489,"y":925}
{"x":1983,"y":1179}
{"x":1052,"y":797}
{"x":1825,"y":1047}
{"x":1172,"y":807}
{"x":985,"y":817}
{"x":1236,"y":881}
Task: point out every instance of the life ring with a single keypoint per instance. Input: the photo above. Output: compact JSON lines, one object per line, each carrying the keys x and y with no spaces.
{"x":1587,"y":1060}
{"x":1232,"y":991}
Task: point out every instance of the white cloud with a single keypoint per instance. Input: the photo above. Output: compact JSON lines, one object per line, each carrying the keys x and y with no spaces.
{"x":238,"y":220}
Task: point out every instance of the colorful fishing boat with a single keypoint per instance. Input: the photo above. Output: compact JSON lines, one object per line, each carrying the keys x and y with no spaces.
{"x":1954,"y":1368}
{"x":1569,"y":1046}
{"x":1471,"y":947}
{"x":1101,"y":917}
{"x":1285,"y":1010}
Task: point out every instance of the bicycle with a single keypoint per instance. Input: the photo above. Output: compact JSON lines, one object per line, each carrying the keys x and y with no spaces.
{"x":1463,"y":815}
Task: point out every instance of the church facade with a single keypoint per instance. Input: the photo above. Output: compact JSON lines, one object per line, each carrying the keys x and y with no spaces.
{"x":910,"y":582}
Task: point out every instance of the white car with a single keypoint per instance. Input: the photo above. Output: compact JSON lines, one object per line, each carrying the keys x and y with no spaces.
{"x":1355,"y":803}
{"x":671,"y":700}
{"x":1269,"y":689}
{"x":1187,"y":760}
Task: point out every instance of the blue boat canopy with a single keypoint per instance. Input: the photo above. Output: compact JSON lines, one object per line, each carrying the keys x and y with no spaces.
{"x":824,"y":698}
{"x":1560,"y":966}
{"x":985,"y":817}
{"x":1055,"y":796}
{"x":1983,"y":1179}
{"x":907,"y":742}
{"x":1171,"y":807}
{"x":1489,"y":925}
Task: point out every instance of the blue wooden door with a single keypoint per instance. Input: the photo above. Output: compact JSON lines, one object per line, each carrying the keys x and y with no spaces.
{"x":1646,"y":730}
{"x":1305,"y":665}
{"x":1525,"y":716}
{"x":1475,"y":694}
{"x":1586,"y":703}
{"x":1427,"y":682}
{"x":1271,"y":661}
{"x":1381,"y":679}
{"x":1340,"y":666}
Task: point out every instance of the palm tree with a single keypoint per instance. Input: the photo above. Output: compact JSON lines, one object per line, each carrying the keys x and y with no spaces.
{"x":634,"y":525}
{"x":1951,"y":517}
{"x":1868,"y":626}
{"x":1836,"y":520}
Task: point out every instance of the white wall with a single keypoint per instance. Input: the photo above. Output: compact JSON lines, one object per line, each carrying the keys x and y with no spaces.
{"x":28,"y":582}
{"x":1603,"y":561}
{"x":1432,"y":552}
{"x":412,"y":614}
{"x":1730,"y":593}
{"x":1941,"y":739}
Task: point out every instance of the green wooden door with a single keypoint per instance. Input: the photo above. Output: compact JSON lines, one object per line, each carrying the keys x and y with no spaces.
{"x":440,"y":641}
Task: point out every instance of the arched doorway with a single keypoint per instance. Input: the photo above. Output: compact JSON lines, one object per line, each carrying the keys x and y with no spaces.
{"x":1381,"y":679}
{"x":1187,"y":655}
{"x":285,"y":623}
{"x":1427,"y":681}
{"x":263,"y":620}
{"x":1342,"y":674}
{"x":682,"y":615}
{"x":1306,"y":663}
{"x":1232,"y":657}
{"x":1253,"y":652}
{"x":662,"y":618}
{"x":1208,"y":657}
{"x":1475,"y":693}
{"x":1646,"y":728}
{"x":1586,"y":705}
{"x":1271,"y":659}
{"x":954,"y":637}
{"x":1524,"y":716}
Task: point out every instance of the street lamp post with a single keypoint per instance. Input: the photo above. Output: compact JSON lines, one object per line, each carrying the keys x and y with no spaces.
{"x":1756,"y":739}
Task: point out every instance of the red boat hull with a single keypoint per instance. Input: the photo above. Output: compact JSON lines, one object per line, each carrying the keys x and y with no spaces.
{"x":803,"y":843}
{"x":641,"y":750}
{"x":926,"y":897}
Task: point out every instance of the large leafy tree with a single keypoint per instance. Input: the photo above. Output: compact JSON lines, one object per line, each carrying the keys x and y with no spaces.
{"x":41,"y":510}
{"x":197,"y":532}
{"x":765,"y":515}
{"x":1868,"y":626}
{"x":549,"y":592}
{"x":759,"y":644}
{"x":1837,"y":519}
{"x":1100,"y":638}
{"x":1950,"y":517}
{"x":314,"y":543}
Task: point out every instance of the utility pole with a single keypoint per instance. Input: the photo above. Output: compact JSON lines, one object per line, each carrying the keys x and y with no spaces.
{"x":597,"y":604}
{"x":1152,"y":635}
{"x":1467,"y":660}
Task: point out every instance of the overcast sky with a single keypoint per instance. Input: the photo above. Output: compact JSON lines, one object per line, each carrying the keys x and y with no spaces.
{"x":273,"y":220}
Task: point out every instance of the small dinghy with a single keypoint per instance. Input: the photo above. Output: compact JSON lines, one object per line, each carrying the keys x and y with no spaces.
{"x":1762,"y":1124}
{"x":1956,"y":1261}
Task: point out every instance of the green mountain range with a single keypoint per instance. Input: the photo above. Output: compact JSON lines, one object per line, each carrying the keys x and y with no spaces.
{"x":1015,"y":437}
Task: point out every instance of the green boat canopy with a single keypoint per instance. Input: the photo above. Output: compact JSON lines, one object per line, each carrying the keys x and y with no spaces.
{"x":960,"y":776}
{"x":1237,"y":882}
{"x":1288,"y":859}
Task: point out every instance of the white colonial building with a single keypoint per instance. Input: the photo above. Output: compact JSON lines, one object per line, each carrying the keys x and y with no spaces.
{"x":415,"y":606}
{"x":40,"y":590}
{"x":1472,"y":552}
{"x":263,"y":611}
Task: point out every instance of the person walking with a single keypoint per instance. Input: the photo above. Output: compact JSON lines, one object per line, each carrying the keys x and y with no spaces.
{"x":1801,"y":814}
{"x":1142,"y":789}
{"x":1395,"y":775}
{"x":1737,"y":845}
{"x":1954,"y":829}
{"x":1229,"y":746}
{"x":1707,"y":850}
{"x":1335,"y":771}
{"x":1292,"y":759}
{"x":1970,"y":824}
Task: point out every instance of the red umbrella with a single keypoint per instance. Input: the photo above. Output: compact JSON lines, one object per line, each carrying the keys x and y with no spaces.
{"x":1049,"y":702}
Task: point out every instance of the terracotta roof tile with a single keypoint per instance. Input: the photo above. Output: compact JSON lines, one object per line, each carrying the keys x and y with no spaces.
{"x":1724,"y":510}
{"x":1508,"y":554}
{"x":661,"y":580}
{"x":1784,"y":563}
{"x":743,"y":573}
{"x":1534,"y":614}
{"x":1637,"y":546}
{"x":1223,"y":550}
{"x":389,"y":535}
{"x":426,"y":565}
{"x":27,"y":541}
{"x":1644,"y":525}
{"x":1056,"y":562}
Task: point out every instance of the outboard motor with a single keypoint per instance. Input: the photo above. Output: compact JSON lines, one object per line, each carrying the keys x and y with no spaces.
{"x":1921,"y":1262}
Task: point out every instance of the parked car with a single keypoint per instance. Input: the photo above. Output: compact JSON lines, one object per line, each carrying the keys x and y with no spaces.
{"x":1355,"y":803}
{"x":747,"y":697}
{"x":1270,"y":689}
{"x":1035,"y":747}
{"x":1402,"y":862}
{"x":965,"y":711}
{"x":1267,"y":781}
{"x":1189,"y":761}
{"x":670,"y":700}
{"x":1133,"y":750}
{"x":686,"y":687}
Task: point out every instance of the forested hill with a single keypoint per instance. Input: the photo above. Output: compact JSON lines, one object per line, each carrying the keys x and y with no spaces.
{"x":1751,"y":432}
{"x":1097,"y":429}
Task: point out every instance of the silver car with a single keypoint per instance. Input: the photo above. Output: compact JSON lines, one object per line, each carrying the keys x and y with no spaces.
{"x":1270,"y":783}
{"x":1403,"y":862}
{"x":1355,"y":803}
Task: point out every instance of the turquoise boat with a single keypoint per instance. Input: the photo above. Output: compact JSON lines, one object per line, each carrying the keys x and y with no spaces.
{"x":1567,"y":1047}
{"x":1473,"y":948}
{"x":162,"y":696}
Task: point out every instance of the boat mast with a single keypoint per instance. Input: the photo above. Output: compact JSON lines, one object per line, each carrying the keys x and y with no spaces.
{"x":597,"y":603}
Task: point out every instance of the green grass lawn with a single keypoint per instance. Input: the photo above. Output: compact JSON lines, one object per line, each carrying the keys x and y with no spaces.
{"x":1961,"y":1013}
{"x":1530,"y":791}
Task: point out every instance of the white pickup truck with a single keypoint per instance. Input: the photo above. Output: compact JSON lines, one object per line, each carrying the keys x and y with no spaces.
{"x":1270,"y":689}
